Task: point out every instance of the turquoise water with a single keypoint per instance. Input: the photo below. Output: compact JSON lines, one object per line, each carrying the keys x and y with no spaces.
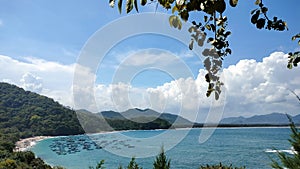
{"x":248,"y":147}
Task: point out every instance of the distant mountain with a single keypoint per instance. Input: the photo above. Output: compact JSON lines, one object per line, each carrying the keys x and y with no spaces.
{"x":110,"y":120}
{"x":111,"y":114}
{"x":91,"y":122}
{"x":31,"y":114}
{"x":148,"y":115}
{"x":136,"y":112}
{"x":268,"y":119}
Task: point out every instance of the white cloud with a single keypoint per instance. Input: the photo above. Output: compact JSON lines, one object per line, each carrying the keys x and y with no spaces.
{"x":45,"y":77}
{"x":31,"y":82}
{"x":150,"y":57}
{"x":251,"y":88}
{"x":261,"y":87}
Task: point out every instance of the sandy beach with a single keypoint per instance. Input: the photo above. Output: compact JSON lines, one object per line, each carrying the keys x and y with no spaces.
{"x":25,"y":144}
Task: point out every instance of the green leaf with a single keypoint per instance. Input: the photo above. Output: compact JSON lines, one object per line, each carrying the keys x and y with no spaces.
{"x":129,"y":5}
{"x":136,"y":5}
{"x":210,"y":39}
{"x":191,"y":45}
{"x":143,"y":2}
{"x":205,"y":18}
{"x":184,"y":15}
{"x":171,"y":18}
{"x":220,"y":6}
{"x":233,"y":3}
{"x":227,"y":33}
{"x":120,"y":5}
{"x":257,"y":2}
{"x":200,"y":42}
{"x":217,"y":96}
{"x":205,"y":53}
{"x":112,"y":3}
{"x":179,"y":24}
{"x":207,"y":62}
{"x":228,"y":50}
{"x":208,"y":27}
{"x":174,"y":9}
{"x":289,"y":66}
{"x":260,"y":23}
{"x":264,"y":9}
{"x":207,"y":78}
{"x":213,"y":28}
{"x":175,"y":22}
{"x":208,"y":93}
{"x":255,"y":17}
{"x":296,"y":36}
{"x":253,"y":11}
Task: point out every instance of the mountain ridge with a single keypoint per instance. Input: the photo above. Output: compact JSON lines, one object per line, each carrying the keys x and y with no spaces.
{"x":274,"y":118}
{"x":175,"y":120}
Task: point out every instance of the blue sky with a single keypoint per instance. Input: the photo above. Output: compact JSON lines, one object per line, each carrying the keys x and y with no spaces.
{"x":41,"y":41}
{"x":62,"y":27}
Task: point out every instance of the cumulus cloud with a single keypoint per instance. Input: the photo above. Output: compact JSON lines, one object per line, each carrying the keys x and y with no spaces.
{"x":251,"y":88}
{"x":31,"y":82}
{"x":261,"y":87}
{"x":45,"y":77}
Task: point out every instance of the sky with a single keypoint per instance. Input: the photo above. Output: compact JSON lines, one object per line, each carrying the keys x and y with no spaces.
{"x":88,"y":55}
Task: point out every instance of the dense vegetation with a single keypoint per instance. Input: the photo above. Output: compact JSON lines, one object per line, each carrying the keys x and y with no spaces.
{"x":30,"y":114}
{"x":125,"y":124}
{"x":25,"y":114}
{"x":93,"y":123}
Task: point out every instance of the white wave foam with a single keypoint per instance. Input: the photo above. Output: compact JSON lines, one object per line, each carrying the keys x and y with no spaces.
{"x":291,"y":151}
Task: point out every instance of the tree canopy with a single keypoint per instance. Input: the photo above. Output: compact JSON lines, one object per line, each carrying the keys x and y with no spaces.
{"x":30,"y":114}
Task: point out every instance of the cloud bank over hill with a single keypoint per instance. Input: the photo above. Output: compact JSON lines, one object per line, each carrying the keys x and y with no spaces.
{"x":252,"y":88}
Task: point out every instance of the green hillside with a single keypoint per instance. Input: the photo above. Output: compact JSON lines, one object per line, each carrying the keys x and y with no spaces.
{"x":30,"y":114}
{"x":25,"y":114}
{"x":93,"y":123}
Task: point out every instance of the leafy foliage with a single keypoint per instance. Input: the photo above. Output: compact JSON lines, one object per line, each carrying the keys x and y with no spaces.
{"x":213,"y":26}
{"x":220,"y":166}
{"x":93,"y":123}
{"x":30,"y":114}
{"x":161,"y":161}
{"x":99,"y":165}
{"x":294,"y":58}
{"x":25,"y":114}
{"x":18,"y":160}
{"x":125,"y":124}
{"x":290,"y":161}
{"x":261,"y":20}
{"x":132,"y":165}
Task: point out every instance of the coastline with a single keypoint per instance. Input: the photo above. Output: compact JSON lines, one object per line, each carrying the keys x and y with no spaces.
{"x":25,"y":144}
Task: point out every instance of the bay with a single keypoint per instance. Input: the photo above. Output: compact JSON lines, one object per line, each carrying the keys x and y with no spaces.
{"x":249,"y":147}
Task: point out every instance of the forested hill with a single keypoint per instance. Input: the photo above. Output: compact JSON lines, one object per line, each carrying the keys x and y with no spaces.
{"x":31,"y":114}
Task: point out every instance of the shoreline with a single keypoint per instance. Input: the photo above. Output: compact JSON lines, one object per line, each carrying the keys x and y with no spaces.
{"x":25,"y":144}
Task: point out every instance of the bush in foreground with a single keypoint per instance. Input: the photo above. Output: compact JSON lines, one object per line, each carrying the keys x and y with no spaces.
{"x":290,"y":161}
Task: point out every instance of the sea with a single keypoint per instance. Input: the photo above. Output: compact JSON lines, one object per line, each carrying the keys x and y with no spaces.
{"x":186,"y":148}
